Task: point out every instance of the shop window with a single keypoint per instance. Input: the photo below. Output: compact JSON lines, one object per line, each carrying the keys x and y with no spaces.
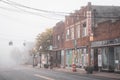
{"x":105,"y":59}
{"x":117,"y":58}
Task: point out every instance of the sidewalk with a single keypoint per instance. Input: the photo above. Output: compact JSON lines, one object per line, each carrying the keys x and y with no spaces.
{"x":82,"y":71}
{"x":107,"y":74}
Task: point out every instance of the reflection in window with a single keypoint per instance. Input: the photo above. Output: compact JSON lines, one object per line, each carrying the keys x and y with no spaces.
{"x":105,"y":58}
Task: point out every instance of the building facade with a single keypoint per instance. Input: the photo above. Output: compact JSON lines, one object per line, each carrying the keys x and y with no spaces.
{"x":81,"y":35}
{"x":107,"y":44}
{"x":58,"y":44}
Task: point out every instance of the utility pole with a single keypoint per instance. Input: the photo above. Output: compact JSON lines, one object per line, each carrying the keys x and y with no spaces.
{"x":40,"y":54}
{"x":40,"y":59}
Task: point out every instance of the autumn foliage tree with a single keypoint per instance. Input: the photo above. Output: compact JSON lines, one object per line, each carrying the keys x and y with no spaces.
{"x":44,"y":40}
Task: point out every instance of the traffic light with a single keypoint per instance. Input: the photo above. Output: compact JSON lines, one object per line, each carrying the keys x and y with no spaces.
{"x":24,"y":44}
{"x":10,"y":43}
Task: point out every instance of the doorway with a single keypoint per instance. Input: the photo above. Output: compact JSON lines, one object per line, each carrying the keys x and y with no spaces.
{"x":111,"y":59}
{"x":96,"y":59}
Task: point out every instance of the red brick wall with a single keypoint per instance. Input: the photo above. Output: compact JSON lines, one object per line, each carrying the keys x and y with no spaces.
{"x":58,"y":30}
{"x":83,"y":41}
{"x":107,"y":30}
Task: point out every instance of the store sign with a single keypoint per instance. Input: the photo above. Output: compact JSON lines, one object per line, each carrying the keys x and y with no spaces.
{"x":105,"y":42}
{"x":89,"y":20}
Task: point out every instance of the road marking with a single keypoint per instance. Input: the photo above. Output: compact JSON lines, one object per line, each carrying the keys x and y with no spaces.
{"x":44,"y":77}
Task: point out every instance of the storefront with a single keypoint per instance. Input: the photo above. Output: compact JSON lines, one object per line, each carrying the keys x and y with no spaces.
{"x":78,"y":57}
{"x":82,"y":57}
{"x":68,"y":58}
{"x":56,"y":58}
{"x":117,"y":58}
{"x":110,"y":52}
{"x":62,"y":59}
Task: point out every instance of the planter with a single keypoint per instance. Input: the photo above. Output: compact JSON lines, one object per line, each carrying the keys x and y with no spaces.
{"x":89,"y":69}
{"x":46,"y":65}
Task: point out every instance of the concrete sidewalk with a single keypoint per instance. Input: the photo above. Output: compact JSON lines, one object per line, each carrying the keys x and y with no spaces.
{"x":95,"y":73}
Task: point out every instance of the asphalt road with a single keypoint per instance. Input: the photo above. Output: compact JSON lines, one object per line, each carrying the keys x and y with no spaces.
{"x":27,"y":73}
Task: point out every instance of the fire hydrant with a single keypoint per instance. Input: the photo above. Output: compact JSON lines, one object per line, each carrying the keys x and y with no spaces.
{"x":74,"y":68}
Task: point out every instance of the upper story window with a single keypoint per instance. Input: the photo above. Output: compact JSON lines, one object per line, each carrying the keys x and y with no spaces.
{"x":67,"y":34}
{"x":58,"y":37}
{"x":84,"y":14}
{"x":67,"y":22}
{"x":72,"y":33}
{"x":84,"y":29}
{"x":78,"y":31}
{"x":72,"y":19}
{"x":77,"y":17}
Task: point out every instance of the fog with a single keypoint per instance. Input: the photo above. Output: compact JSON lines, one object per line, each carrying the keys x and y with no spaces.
{"x":14,"y":55}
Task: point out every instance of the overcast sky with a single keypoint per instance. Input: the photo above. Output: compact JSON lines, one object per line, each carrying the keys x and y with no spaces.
{"x":19,"y":26}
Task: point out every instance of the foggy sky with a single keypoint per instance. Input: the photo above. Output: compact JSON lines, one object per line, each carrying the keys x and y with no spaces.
{"x":20,"y":27}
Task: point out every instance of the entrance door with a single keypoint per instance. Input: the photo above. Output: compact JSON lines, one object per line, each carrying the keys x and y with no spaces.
{"x":111,"y":59}
{"x":58,"y":58}
{"x":95,"y":59}
{"x":117,"y":59}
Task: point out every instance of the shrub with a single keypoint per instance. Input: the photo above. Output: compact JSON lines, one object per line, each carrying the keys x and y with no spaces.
{"x":46,"y":65}
{"x":89,"y":69}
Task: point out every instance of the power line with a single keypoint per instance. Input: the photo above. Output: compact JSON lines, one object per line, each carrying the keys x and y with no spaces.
{"x":46,"y":11}
{"x":17,"y":5}
{"x":54,"y":12}
{"x":38,"y":14}
{"x":33,"y":13}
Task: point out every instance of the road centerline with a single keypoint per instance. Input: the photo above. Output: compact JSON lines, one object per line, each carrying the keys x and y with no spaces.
{"x":44,"y":77}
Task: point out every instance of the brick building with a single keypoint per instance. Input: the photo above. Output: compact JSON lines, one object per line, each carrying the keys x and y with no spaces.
{"x":80,"y":26}
{"x":107,"y":44}
{"x":58,"y":44}
{"x":79,"y":29}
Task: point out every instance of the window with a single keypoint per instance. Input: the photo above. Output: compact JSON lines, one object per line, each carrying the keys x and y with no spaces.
{"x":84,"y":30}
{"x":67,"y":34}
{"x":67,"y":22}
{"x":58,"y":37}
{"x":105,"y":58}
{"x":77,"y":17}
{"x":72,"y":33}
{"x":78,"y":31}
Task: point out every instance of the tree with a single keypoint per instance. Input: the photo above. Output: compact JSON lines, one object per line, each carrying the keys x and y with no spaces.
{"x":44,"y":40}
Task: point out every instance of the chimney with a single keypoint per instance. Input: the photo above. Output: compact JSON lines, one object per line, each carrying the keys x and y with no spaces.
{"x":89,"y":6}
{"x":89,"y":3}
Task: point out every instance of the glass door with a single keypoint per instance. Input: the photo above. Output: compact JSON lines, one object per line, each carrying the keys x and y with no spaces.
{"x":111,"y":58}
{"x":117,"y":58}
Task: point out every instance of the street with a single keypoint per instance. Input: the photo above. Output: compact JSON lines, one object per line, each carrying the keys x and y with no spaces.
{"x":29,"y":73}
